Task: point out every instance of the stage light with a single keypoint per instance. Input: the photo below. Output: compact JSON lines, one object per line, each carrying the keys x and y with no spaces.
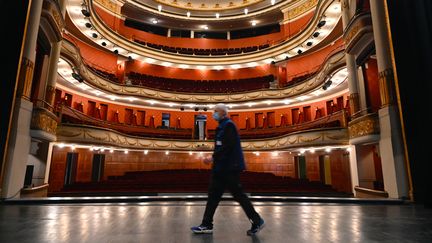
{"x":77,"y":77}
{"x":104,"y":43}
{"x":85,"y":12}
{"x":196,"y":109}
{"x":321,"y":23}
{"x":299,"y":51}
{"x":94,"y":35}
{"x":116,"y":51}
{"x":88,"y":25}
{"x":182,"y":108}
{"x":309,"y":43}
{"x":316,"y":34}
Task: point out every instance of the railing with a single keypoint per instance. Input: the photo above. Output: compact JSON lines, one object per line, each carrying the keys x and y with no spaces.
{"x":69,"y":114}
{"x":336,"y":119}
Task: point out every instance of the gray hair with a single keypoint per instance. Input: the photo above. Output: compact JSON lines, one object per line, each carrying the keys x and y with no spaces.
{"x":223,"y":107}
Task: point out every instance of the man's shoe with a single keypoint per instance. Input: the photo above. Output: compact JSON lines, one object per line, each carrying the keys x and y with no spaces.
{"x":256,"y":227}
{"x":202,"y":229}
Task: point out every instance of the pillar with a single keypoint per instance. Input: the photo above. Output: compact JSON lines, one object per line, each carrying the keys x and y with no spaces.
{"x":391,"y":143}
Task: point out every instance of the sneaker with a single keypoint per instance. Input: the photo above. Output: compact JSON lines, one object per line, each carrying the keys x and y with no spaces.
{"x":256,"y":227}
{"x":202,"y":229}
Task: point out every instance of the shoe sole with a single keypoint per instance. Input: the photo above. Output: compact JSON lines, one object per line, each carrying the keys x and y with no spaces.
{"x":259,"y":229}
{"x":203,"y":231}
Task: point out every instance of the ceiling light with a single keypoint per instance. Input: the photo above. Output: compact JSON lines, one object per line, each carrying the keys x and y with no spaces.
{"x":217,"y":15}
{"x":154,"y":21}
{"x":235,"y":66}
{"x":160,"y":7}
{"x":273,"y":2}
{"x":254,"y":23}
{"x":188,"y":14}
{"x":205,"y":27}
{"x":246,"y":11}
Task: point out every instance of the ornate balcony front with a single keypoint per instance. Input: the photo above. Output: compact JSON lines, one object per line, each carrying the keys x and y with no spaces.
{"x":44,"y":122}
{"x":364,"y":129}
{"x":358,"y":35}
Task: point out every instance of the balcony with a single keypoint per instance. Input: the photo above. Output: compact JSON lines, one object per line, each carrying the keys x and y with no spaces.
{"x":358,"y":36}
{"x":364,"y":128}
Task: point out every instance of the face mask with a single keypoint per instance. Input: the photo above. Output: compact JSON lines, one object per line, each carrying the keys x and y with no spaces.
{"x":216,"y":116}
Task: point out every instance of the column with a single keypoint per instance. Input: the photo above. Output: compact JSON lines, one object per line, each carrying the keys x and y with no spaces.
{"x":19,"y":143}
{"x":169,"y":33}
{"x":353,"y":167}
{"x":54,"y":58}
{"x":228,"y":35}
{"x":192,"y":34}
{"x":391,"y":143}
{"x":351,"y":66}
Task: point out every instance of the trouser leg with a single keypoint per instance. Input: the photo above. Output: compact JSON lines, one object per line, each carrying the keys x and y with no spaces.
{"x":233,"y":184}
{"x":215,"y":192}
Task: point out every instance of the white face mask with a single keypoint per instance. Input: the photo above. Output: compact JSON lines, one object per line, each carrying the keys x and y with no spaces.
{"x":216,"y":116}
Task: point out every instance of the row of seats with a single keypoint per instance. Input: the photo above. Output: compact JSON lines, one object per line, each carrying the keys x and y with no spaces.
{"x":104,"y":74}
{"x":203,"y":52}
{"x":194,"y":180}
{"x":200,"y":86}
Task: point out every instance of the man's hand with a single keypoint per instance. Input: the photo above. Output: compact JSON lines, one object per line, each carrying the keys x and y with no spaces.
{"x":208,"y":160}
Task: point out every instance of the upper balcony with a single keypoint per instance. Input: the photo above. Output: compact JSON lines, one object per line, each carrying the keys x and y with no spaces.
{"x":359,"y":37}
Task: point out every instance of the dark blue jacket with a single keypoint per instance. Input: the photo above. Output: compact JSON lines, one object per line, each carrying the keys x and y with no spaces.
{"x":228,"y":154}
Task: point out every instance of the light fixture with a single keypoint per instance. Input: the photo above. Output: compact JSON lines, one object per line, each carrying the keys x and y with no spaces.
{"x":145,"y":151}
{"x":85,"y":12}
{"x":273,"y":2}
{"x":188,"y":14}
{"x":160,"y":7}
{"x":205,"y":27}
{"x":316,"y":34}
{"x":328,"y":150}
{"x":166,"y":152}
{"x":217,"y":15}
{"x":111,"y":150}
{"x":154,"y":21}
{"x":246,"y":11}
{"x":254,"y":23}
{"x":126,"y":151}
{"x":94,"y":35}
{"x":190,"y":153}
{"x":321,"y":23}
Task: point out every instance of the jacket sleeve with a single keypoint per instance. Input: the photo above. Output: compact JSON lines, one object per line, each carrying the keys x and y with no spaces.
{"x":228,"y":143}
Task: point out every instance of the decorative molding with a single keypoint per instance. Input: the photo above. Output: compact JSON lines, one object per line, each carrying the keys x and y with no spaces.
{"x":364,"y":126}
{"x":292,"y":13}
{"x":83,"y":134}
{"x":386,"y":81}
{"x":110,"y":5}
{"x":52,"y":20}
{"x":204,"y":5}
{"x":358,"y":34}
{"x":26,"y":77}
{"x":354,"y":101}
{"x":333,"y":63}
{"x":44,"y":120}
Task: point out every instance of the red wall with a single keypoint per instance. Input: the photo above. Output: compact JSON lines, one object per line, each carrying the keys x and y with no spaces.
{"x":187,"y":117}
{"x":373,"y":91}
{"x":287,"y":31}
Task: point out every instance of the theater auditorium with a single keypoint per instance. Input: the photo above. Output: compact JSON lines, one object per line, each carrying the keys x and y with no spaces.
{"x":115,"y":114}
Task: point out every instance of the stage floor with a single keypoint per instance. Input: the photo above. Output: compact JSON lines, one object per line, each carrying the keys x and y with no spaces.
{"x":160,"y":222}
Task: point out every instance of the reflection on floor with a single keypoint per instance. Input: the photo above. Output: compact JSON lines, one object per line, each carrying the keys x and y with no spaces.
{"x":170,"y":221}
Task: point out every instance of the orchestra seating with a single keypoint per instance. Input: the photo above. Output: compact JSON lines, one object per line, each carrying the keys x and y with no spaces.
{"x":194,"y":180}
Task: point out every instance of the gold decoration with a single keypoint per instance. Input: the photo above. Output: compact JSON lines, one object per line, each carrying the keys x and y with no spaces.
{"x":44,"y":120}
{"x":359,"y":26}
{"x":386,"y":81}
{"x":364,"y":126}
{"x":25,"y":78}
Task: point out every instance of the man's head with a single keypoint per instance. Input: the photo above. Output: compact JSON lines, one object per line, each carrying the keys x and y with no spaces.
{"x":220,"y":112}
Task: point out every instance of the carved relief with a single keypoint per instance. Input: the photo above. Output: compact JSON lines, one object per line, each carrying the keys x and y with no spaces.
{"x":364,"y":126}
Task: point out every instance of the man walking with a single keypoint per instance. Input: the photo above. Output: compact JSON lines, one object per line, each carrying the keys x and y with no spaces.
{"x":228,"y":162}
